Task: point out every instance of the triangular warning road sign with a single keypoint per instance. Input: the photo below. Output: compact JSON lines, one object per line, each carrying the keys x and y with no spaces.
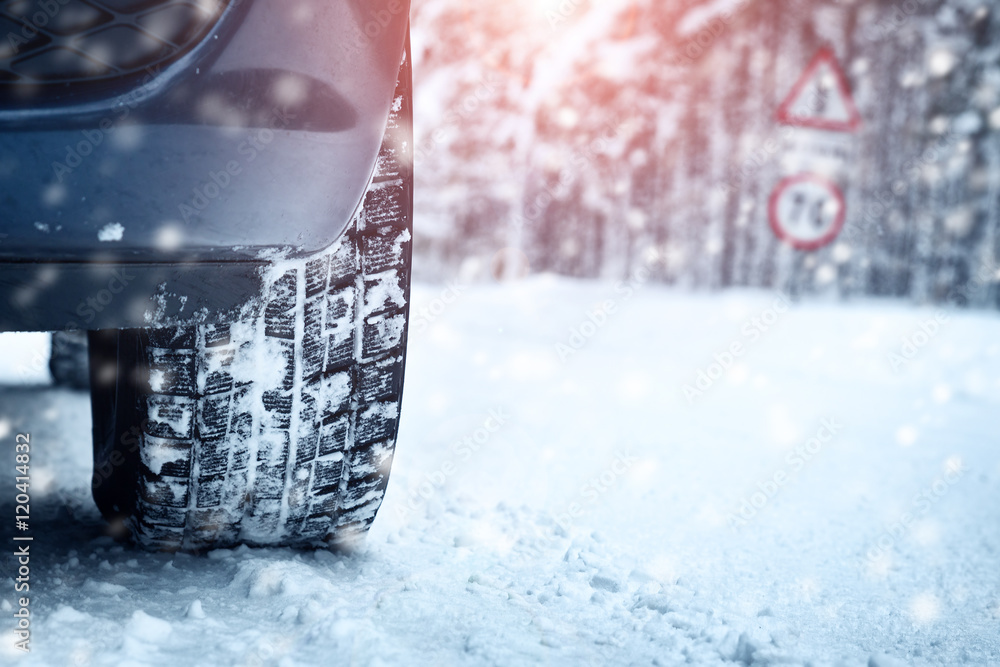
{"x":821,"y":98}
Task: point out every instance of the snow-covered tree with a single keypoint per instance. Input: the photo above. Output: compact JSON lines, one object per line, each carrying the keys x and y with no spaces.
{"x":600,"y":137}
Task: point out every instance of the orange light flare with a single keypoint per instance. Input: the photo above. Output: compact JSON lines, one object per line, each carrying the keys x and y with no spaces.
{"x":567,"y":54}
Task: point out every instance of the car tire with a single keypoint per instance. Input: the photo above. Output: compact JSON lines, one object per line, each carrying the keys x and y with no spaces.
{"x":277,"y":429}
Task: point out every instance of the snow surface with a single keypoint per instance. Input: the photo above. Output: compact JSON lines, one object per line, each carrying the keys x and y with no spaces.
{"x":113,"y":231}
{"x":25,"y":358}
{"x":475,"y":559}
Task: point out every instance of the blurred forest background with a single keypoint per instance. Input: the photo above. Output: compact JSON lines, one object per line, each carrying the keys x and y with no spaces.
{"x":607,"y":137}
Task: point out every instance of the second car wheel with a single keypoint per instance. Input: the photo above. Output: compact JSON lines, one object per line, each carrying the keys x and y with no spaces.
{"x":68,"y":359}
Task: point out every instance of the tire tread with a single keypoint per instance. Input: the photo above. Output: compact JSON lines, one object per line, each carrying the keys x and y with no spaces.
{"x":226,"y":462}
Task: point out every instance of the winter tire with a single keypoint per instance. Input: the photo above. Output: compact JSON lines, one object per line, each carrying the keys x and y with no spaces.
{"x":279,"y":428}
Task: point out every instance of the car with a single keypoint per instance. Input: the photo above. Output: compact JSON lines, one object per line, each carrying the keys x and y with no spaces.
{"x":219,"y":193}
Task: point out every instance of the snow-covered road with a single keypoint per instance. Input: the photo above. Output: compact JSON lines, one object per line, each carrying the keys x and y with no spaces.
{"x":564,"y":498}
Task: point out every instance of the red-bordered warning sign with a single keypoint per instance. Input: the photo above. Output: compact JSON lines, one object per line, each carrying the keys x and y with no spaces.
{"x":806,"y":211}
{"x":821,"y":98}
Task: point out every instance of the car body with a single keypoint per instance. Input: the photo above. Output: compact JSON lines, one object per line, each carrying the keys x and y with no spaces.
{"x":219,"y":193}
{"x":155,"y":195}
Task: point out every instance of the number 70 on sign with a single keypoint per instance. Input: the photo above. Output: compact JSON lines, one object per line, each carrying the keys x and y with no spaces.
{"x":806,"y":211}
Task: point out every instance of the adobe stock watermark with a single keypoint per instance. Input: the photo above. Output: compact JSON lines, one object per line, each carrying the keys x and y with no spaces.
{"x":426,"y":315}
{"x":751,"y":331}
{"x":898,"y":16}
{"x":795,"y":461}
{"x":702,"y":41}
{"x":88,"y":310}
{"x":563,"y":11}
{"x":877,"y":206}
{"x":913,"y":343}
{"x":131,"y":441}
{"x":366,"y":31}
{"x":757,"y":158}
{"x":580,"y":334}
{"x":22,"y":541}
{"x":47,"y":10}
{"x":486,"y":89}
{"x":532,"y":210}
{"x":767,"y":149}
{"x":598,"y":317}
{"x":256,"y":142}
{"x":92,"y":138}
{"x":594,"y":488}
{"x":986,"y":276}
{"x":462,"y":451}
{"x":920,"y":506}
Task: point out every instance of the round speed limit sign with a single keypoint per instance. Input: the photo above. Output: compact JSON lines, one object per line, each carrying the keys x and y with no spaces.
{"x":806,"y":211}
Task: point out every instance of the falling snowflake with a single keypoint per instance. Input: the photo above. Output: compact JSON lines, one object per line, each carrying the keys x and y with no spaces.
{"x":113,"y":231}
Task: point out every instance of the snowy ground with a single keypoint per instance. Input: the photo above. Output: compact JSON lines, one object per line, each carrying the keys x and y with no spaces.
{"x":600,"y":521}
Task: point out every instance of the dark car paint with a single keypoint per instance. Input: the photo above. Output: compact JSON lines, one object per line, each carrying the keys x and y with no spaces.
{"x":209,"y":149}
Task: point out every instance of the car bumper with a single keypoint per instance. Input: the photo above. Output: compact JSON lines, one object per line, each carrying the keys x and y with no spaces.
{"x":263,"y":139}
